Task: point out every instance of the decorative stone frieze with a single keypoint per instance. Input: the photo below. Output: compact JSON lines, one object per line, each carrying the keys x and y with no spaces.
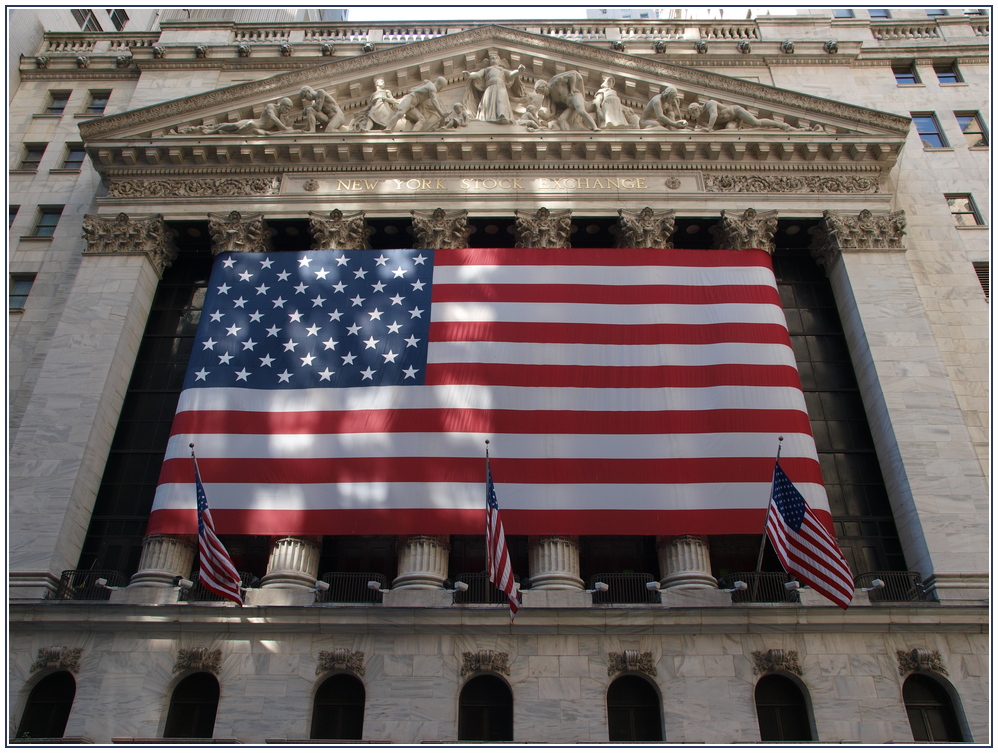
{"x":293,"y":562}
{"x":751,"y":229}
{"x":199,"y":658}
{"x":631,"y":661}
{"x":920,"y":660}
{"x":485,"y":660}
{"x":338,"y":230}
{"x":554,"y":563}
{"x":645,"y":229}
{"x":194,"y":187}
{"x":125,"y":235}
{"x":440,"y":229}
{"x":866,"y":231}
{"x":423,"y":562}
{"x":234,"y":232}
{"x":684,"y":562}
{"x":544,"y":228}
{"x":721,"y":183}
{"x":58,"y":657}
{"x":163,"y":558}
{"x":342,"y":660}
{"x":776,"y":660}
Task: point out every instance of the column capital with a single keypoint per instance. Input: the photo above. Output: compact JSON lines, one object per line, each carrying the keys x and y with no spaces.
{"x":236,"y":232}
{"x":543,"y":228}
{"x":839,"y":232}
{"x":750,"y":229}
{"x":123,"y":235}
{"x":339,"y":230}
{"x":441,"y":229}
{"x":648,"y":228}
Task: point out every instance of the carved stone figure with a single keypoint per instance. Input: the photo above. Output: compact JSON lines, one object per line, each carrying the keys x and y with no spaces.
{"x":326,"y":49}
{"x":776,"y":660}
{"x":485,"y":660}
{"x":610,"y":111}
{"x":564,"y":98}
{"x":787,"y":47}
{"x":58,"y":657}
{"x":273,"y":119}
{"x":340,"y":659}
{"x":750,"y":230}
{"x":201,"y":51}
{"x":533,"y":118}
{"x":287,"y":49}
{"x":243,"y":50}
{"x":42,"y":61}
{"x":631,"y":661}
{"x":381,"y":106}
{"x":745,"y":47}
{"x":419,"y":106}
{"x":660,"y":47}
{"x":82,"y":62}
{"x":198,"y":658}
{"x":712,"y":115}
{"x":339,"y":230}
{"x":440,"y":229}
{"x":645,"y":229}
{"x":158,"y":51}
{"x":663,"y":110}
{"x":233,"y":233}
{"x":123,"y":61}
{"x":123,"y":235}
{"x":545,"y":229}
{"x":831,"y":46}
{"x":320,"y":109}
{"x":457,"y":118}
{"x":700,"y":46}
{"x":489,"y":91}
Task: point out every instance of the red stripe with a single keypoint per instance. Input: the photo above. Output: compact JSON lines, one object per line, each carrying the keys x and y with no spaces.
{"x":607,"y":295}
{"x":431,"y":420}
{"x":469,"y":470}
{"x":609,"y":334}
{"x":604,"y":257}
{"x":619,"y":377}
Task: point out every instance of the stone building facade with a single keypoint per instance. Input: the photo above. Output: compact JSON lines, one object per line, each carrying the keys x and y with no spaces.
{"x":851,"y":145}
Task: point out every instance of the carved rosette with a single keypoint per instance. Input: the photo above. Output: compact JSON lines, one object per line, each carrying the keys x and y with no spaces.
{"x":714,"y":183}
{"x":194,"y":187}
{"x":751,"y":229}
{"x":920,"y":660}
{"x":631,"y":661}
{"x":235,"y":232}
{"x":58,"y":657}
{"x":440,"y":229}
{"x":645,"y":229}
{"x":340,"y":659}
{"x":776,"y":660}
{"x":485,"y":660}
{"x":199,"y":658}
{"x":838,"y":232}
{"x":338,"y":230}
{"x":130,"y":235}
{"x":544,"y":228}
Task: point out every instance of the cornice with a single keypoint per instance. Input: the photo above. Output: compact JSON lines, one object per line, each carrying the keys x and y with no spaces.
{"x":80,"y":74}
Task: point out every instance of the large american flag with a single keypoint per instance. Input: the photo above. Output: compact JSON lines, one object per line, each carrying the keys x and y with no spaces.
{"x":350,"y":392}
{"x":500,"y":567}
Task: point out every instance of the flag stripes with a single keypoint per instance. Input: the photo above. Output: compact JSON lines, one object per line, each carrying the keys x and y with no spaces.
{"x":497,"y":553}
{"x":215,"y":569}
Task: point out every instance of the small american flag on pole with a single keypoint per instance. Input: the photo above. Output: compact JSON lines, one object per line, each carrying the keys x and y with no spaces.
{"x":500,"y":569}
{"x":805,"y":547}
{"x":217,"y":573}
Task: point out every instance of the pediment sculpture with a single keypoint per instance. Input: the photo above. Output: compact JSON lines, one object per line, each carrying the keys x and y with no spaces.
{"x":492,"y":90}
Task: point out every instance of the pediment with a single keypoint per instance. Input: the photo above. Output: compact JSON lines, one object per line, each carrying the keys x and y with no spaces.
{"x":236,"y":123}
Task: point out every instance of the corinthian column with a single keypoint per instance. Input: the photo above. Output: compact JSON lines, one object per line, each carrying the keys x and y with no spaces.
{"x":422,"y":562}
{"x":235,"y":232}
{"x":554,"y":563}
{"x":293,"y":563}
{"x":751,"y":229}
{"x":684,"y":562}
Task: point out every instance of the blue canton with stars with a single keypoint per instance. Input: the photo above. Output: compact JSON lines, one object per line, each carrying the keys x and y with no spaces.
{"x":788,"y":500}
{"x":314,"y":319}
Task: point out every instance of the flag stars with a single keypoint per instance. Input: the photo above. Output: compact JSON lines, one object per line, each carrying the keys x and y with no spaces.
{"x":239,"y":303}
{"x":228,"y":263}
{"x":284,"y":376}
{"x":262,"y":289}
{"x":283,"y":276}
{"x":416,"y":313}
{"x":233,"y":330}
{"x":353,"y":329}
{"x":223,"y":289}
{"x":394,"y":327}
{"x":418,"y":285}
{"x":295,"y":316}
{"x":371,"y":342}
{"x":301,"y":288}
{"x":341,"y":261}
{"x":318,"y":301}
{"x":419,"y":259}
{"x":330,"y":344}
{"x":256,"y":316}
{"x":266,"y":263}
{"x":334,"y":315}
{"x":397,"y":300}
{"x":325,"y":374}
{"x":243,"y":375}
{"x":348,"y":359}
{"x":273,"y":331}
{"x":359,"y":274}
{"x":410,"y":373}
{"x":378,"y":286}
{"x":339,"y":287}
{"x":312,"y":331}
{"x":249,"y":344}
{"x":224,"y":358}
{"x":304,"y":262}
{"x":266,"y":360}
{"x":217,"y":316}
{"x":307,"y":359}
{"x":320,"y":273}
{"x":381,"y":260}
{"x":245,"y":276}
{"x":368,"y":373}
{"x":376,"y":315}
{"x":357,"y":300}
{"x":399,"y":272}
{"x":411,"y":341}
{"x":209,"y":344}
{"x":389,"y":356}
{"x":279,"y":302}
{"x":290,"y":345}
{"x":201,"y":376}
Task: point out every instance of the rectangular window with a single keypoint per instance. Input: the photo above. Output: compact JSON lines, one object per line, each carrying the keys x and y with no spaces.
{"x":935,"y":12}
{"x":97,"y":102}
{"x":86,"y":19}
{"x":904,"y":73}
{"x":119,"y":18}
{"x":57,"y":103}
{"x":33,"y":154}
{"x":20,"y":286}
{"x":947,"y":73}
{"x":74,"y":157}
{"x":843,"y":13}
{"x":12,"y":213}
{"x":973,"y":128}
{"x":964,"y":212}
{"x":976,"y":12}
{"x":983,"y":270}
{"x":48,"y":218}
{"x":928,"y":128}
{"x":879,"y":13}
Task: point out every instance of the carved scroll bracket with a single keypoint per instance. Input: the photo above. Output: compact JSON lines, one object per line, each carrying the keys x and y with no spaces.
{"x":631,"y":661}
{"x":920,"y":660}
{"x":126,"y":235}
{"x":58,"y":657}
{"x":341,"y":659}
{"x":199,"y":658}
{"x":485,"y":660}
{"x":776,"y":660}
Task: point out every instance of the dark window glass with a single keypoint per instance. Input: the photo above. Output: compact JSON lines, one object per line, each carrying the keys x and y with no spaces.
{"x":57,"y":103}
{"x":119,"y":18}
{"x":74,"y":157}
{"x":485,"y":710}
{"x":86,"y":19}
{"x":843,"y":13}
{"x":338,"y":712}
{"x":193,"y":707}
{"x":983,"y":270}
{"x":947,"y":73}
{"x":973,"y":128}
{"x":928,"y":129}
{"x":976,"y":11}
{"x":48,"y":219}
{"x":783,"y":715}
{"x":936,"y":12}
{"x":48,"y":707}
{"x":904,"y":73}
{"x":632,"y":711}
{"x":97,"y":103}
{"x":33,"y":154}
{"x":879,"y":13}
{"x":20,"y":286}
{"x":963,"y":210}
{"x":12,"y":210}
{"x":930,"y":711}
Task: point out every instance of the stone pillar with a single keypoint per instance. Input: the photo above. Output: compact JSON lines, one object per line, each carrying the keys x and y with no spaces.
{"x":937,"y":490}
{"x":55,"y":474}
{"x":751,"y":229}
{"x":554,"y":563}
{"x":544,"y":228}
{"x":440,"y":229}
{"x":338,"y":230}
{"x":423,"y":562}
{"x":235,"y":232}
{"x":163,"y":558}
{"x":684,"y":562}
{"x":645,"y":229}
{"x":293,"y":563}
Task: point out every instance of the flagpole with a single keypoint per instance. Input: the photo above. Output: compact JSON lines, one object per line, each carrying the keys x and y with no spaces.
{"x":769,"y":510}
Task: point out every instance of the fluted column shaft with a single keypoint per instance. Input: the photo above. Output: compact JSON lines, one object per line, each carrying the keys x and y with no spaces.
{"x":684,"y":562}
{"x":293,"y":563}
{"x":423,"y":562}
{"x":163,"y":558}
{"x":554,"y":563}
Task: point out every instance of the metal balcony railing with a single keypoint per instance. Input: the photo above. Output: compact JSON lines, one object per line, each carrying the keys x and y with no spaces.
{"x":761,"y":588}
{"x":81,"y":585}
{"x":198,"y":592}
{"x":351,"y":588}
{"x":899,"y":585}
{"x":480,"y":590}
{"x":624,"y":588}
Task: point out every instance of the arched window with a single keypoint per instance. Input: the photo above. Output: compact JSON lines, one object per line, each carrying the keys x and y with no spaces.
{"x":193,"y":707}
{"x":338,"y":711}
{"x":782,"y":709}
{"x":930,"y":711}
{"x":48,"y":706}
{"x":633,"y":711}
{"x":486,"y":710}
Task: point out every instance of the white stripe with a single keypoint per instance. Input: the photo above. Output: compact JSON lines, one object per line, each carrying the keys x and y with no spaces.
{"x":476,"y":397}
{"x":461,"y":496}
{"x":500,"y":274}
{"x":582,"y":354}
{"x":599,"y":313}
